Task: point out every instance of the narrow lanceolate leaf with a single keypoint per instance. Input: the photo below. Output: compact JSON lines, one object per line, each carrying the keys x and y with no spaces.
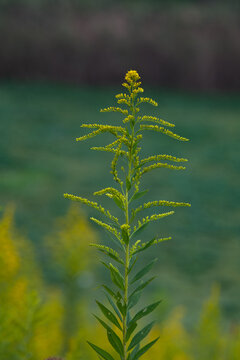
{"x":138,"y":195}
{"x":125,"y":233}
{"x":143,"y":271}
{"x":133,"y":300}
{"x":144,"y":349}
{"x":130,"y":329}
{"x":145,"y":221}
{"x":128,"y":184}
{"x":109,"y":291}
{"x":139,"y":229}
{"x":140,"y":335}
{"x":133,"y":353}
{"x":109,"y":315}
{"x":112,"y":337}
{"x":116,"y":276}
{"x":138,"y":248}
{"x":146,"y":245}
{"x":115,"y":342}
{"x":117,"y":241}
{"x":141,"y":287}
{"x":114,"y":307}
{"x":132,"y":263}
{"x":103,"y":353}
{"x":122,"y":307}
{"x":145,"y":311}
{"x":109,"y":252}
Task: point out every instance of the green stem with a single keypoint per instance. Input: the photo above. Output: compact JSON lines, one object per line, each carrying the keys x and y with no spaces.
{"x":127,"y":247}
{"x":126,"y":276}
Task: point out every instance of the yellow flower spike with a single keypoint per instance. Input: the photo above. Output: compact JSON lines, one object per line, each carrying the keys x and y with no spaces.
{"x":132,"y":76}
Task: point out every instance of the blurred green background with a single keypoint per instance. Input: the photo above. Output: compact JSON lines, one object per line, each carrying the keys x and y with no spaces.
{"x":62,"y":61}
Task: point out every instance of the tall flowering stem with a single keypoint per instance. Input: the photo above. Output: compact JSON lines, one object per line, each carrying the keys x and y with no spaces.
{"x":128,"y":168}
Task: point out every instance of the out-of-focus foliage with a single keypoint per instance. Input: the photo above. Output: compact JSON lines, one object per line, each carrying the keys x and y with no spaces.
{"x":69,"y":243}
{"x":69,"y":256}
{"x":33,"y":312}
{"x":29,"y":313}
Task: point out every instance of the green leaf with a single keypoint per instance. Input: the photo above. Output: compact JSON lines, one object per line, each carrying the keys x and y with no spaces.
{"x":139,"y":229}
{"x":118,"y":202}
{"x":105,"y":264}
{"x":116,"y":277}
{"x":125,"y":235}
{"x":141,"y":287}
{"x":145,"y":311}
{"x":116,"y":241}
{"x":122,"y":307}
{"x":106,"y":326}
{"x":109,"y":252}
{"x":138,"y":195}
{"x":144,"y":246}
{"x":133,"y":353}
{"x":104,"y":354}
{"x":144,"y":271}
{"x":130,"y":329}
{"x":114,"y":307}
{"x":108,"y":314}
{"x":110,"y":292}
{"x":140,"y":335}
{"x":133,"y":300}
{"x":144,"y":349}
{"x":115,"y":341}
{"x":128,"y":184}
{"x":112,"y":337}
{"x":132,"y":262}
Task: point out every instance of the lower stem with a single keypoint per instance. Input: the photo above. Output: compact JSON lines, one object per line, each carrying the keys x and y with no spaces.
{"x":125,"y":302}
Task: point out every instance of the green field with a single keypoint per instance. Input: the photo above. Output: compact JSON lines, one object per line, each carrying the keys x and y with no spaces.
{"x":40,"y":160}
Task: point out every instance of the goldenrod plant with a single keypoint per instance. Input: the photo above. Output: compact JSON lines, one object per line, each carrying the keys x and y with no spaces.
{"x":125,"y":234}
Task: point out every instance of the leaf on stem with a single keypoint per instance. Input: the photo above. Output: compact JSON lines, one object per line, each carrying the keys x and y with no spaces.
{"x":146,"y":245}
{"x":109,"y":252}
{"x":143,"y":271}
{"x":114,"y":307}
{"x":112,"y":337}
{"x":116,"y":276}
{"x":130,"y":329}
{"x":140,"y":288}
{"x":108,"y":314}
{"x":138,"y":195}
{"x":144,"y":349}
{"x":103,"y":353}
{"x":145,"y":311}
{"x":141,"y":335}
